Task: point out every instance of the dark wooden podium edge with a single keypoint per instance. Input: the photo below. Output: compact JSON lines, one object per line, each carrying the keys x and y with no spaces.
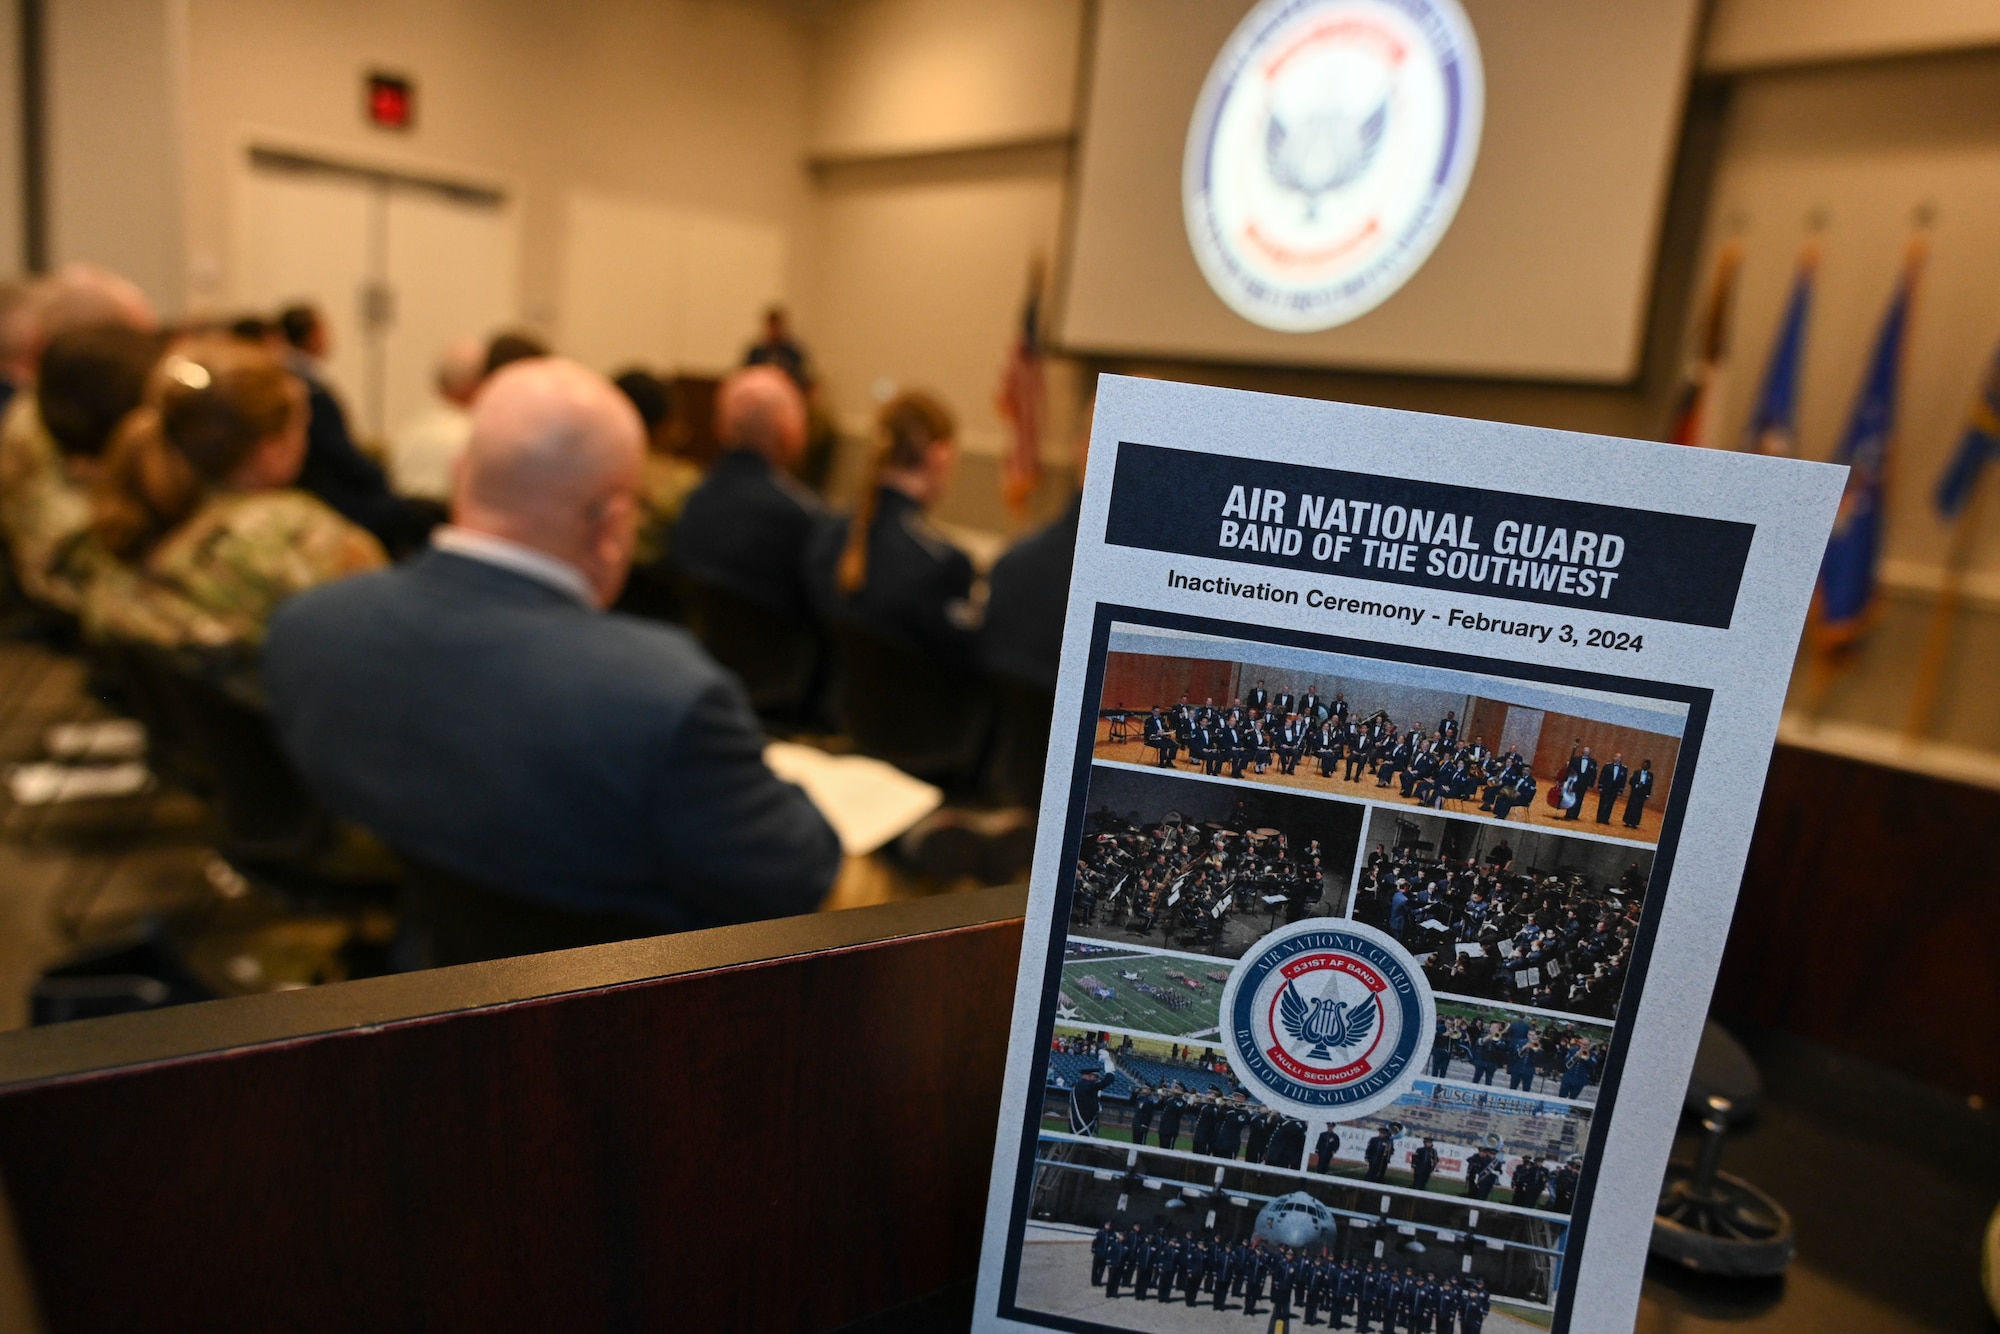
{"x":94,"y":1047}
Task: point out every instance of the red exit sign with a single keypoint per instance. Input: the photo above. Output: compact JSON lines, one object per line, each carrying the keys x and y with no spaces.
{"x":392,"y":101}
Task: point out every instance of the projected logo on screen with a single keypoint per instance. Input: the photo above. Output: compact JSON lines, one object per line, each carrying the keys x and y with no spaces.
{"x":1328,"y":152}
{"x":1327,"y":1019}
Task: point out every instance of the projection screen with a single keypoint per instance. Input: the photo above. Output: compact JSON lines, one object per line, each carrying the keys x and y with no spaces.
{"x":1543,"y":270}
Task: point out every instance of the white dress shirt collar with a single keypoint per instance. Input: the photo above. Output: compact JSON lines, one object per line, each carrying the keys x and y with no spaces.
{"x":522,"y":560}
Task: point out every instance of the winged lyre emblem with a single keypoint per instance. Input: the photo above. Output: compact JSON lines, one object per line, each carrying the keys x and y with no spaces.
{"x":1321,"y":150}
{"x":1326,"y":1024}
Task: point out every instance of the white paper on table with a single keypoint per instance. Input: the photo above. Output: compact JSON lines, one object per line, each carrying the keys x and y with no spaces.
{"x":867,"y":802}
{"x":55,"y":784}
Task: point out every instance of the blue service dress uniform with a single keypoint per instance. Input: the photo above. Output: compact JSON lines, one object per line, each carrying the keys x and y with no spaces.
{"x":1115,"y":1253}
{"x":1422,"y":1163}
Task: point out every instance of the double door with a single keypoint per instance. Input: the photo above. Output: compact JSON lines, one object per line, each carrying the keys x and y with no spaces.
{"x":399,"y":263}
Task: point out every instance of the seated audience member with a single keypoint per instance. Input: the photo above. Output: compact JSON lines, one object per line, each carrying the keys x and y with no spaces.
{"x":508,"y":347}
{"x":747,"y":526}
{"x":20,"y":333}
{"x":45,"y":508}
{"x":665,"y":482}
{"x":335,"y":468}
{"x":198,"y":498}
{"x":423,"y":451}
{"x":886,"y":570}
{"x":476,"y":710}
{"x":1027,"y":594}
{"x":1026,"y":601}
{"x":87,"y":381}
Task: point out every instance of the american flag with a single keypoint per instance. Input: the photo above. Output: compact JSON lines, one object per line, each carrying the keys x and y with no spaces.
{"x":1023,"y":401}
{"x":1694,"y":417}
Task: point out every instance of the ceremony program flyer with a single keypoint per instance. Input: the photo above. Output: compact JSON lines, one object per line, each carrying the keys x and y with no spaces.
{"x":1403,"y":774}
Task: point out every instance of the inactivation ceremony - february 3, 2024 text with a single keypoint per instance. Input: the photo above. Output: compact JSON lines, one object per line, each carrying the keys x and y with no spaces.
{"x":1470,"y":622}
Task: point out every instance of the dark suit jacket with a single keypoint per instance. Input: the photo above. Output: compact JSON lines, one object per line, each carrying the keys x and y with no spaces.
{"x":490,"y":726}
{"x":913,"y":576}
{"x":745,"y":529}
{"x":1027,"y":598}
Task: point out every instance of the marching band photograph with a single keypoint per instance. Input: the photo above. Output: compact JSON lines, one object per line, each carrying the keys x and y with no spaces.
{"x":1529,"y":753}
{"x":1502,"y":1148}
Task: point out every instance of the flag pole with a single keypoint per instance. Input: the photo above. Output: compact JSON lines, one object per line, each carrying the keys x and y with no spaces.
{"x":1944,"y":619}
{"x":1830,"y":659}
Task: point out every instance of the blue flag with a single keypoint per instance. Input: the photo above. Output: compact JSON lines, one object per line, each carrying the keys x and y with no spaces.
{"x":1976,"y":448}
{"x":1847,"y":571}
{"x":1774,"y":423}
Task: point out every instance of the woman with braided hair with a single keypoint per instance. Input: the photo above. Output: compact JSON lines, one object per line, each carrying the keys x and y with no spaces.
{"x":887,"y":570}
{"x":198,"y":500}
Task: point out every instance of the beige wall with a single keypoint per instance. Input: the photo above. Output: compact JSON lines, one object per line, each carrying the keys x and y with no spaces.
{"x":923,"y":268}
{"x":114,"y":103}
{"x":11,"y":226}
{"x":902,"y":76}
{"x":1747,"y":34}
{"x":699,"y":103}
{"x":940,"y":134}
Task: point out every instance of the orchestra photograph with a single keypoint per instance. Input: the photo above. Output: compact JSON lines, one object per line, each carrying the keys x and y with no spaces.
{"x":1206,"y":867}
{"x":1530,"y":753}
{"x":1524,"y":916}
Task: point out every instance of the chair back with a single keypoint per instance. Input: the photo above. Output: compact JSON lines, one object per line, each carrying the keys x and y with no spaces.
{"x":172,"y":751}
{"x":927,"y":716}
{"x":267,"y":814}
{"x":652,"y":592}
{"x":459,"y":921}
{"x":1021,"y":740}
{"x":777,"y":654}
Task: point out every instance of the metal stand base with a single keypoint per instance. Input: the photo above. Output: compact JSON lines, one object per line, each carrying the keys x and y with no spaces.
{"x":1715,"y":1223}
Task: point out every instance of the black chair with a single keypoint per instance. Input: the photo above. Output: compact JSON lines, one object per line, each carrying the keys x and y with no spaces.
{"x":652,"y":591}
{"x":270,"y":827}
{"x":457,"y":921}
{"x":172,"y":752}
{"x":927,"y":716}
{"x":779,"y":655}
{"x":143,"y":972}
{"x":1021,"y":740}
{"x":266,"y":814}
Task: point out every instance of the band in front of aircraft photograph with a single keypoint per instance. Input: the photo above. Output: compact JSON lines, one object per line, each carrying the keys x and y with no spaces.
{"x":1141,"y":1240}
{"x":1308,"y":1283}
{"x":1440,"y":740}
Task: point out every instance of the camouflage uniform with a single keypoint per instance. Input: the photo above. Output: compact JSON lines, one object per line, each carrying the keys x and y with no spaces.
{"x":664,"y":485}
{"x":44,"y":516}
{"x":216,"y":579}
